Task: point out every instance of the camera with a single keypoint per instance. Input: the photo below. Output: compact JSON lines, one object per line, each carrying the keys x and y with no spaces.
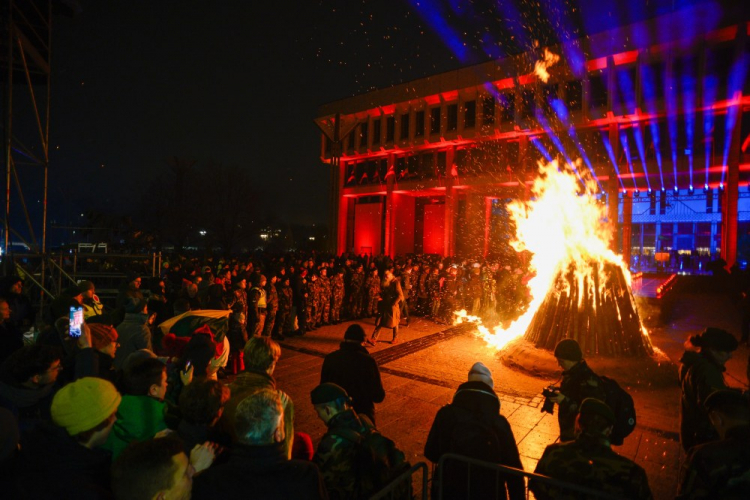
{"x":549,"y":405}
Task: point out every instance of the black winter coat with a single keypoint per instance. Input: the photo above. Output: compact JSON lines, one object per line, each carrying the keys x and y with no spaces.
{"x":356,"y":371}
{"x":473,"y":402}
{"x":54,"y":465}
{"x":260,"y":472}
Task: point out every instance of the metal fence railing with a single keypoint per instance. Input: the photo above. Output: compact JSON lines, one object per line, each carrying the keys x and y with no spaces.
{"x":563,"y":490}
{"x":403,"y":486}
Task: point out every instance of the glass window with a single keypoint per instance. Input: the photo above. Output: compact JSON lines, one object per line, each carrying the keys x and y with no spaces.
{"x":598,"y":89}
{"x":390,"y":124}
{"x":574,"y":95}
{"x":363,"y":135}
{"x":376,"y":131}
{"x":488,"y":110}
{"x":507,"y":106}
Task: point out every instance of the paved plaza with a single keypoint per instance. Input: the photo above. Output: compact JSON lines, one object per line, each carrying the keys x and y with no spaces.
{"x":421,"y":373}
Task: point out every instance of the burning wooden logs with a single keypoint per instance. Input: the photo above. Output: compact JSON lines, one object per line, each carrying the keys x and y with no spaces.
{"x":593,"y":306}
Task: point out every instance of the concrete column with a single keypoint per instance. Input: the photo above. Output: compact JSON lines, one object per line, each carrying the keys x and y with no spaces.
{"x":627,"y":228}
{"x":449,"y":243}
{"x":613,"y":186}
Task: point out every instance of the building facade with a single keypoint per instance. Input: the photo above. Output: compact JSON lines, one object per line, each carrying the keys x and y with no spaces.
{"x":658,"y":113}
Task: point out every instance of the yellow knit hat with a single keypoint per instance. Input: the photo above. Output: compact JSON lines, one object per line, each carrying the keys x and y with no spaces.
{"x":84,"y":404}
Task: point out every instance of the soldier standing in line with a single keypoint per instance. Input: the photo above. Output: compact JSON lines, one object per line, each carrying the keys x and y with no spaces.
{"x":372,"y":288}
{"x":312,"y":292}
{"x":407,"y":287}
{"x":356,"y":286}
{"x":721,"y":469}
{"x":285,"y":294}
{"x":272,"y":306}
{"x":325,"y":297}
{"x":590,"y":461}
{"x":337,"y":296}
{"x":449,"y":295}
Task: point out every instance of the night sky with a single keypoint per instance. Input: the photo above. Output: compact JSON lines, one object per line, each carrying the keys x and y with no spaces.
{"x":239,"y":83}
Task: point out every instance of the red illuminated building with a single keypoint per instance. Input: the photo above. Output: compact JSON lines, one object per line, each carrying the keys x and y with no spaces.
{"x":658,"y":111}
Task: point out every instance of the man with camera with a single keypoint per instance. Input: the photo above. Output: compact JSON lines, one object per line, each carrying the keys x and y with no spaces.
{"x":578,"y":383}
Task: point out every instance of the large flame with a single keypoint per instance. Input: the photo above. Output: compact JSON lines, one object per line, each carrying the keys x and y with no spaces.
{"x":564,"y":227}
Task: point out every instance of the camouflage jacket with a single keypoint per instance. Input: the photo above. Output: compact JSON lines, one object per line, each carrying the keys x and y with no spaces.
{"x":285,"y":294}
{"x":336,"y":456}
{"x":720,"y":469}
{"x":373,"y":286}
{"x":337,"y":286}
{"x":356,"y":282}
{"x":578,"y":383}
{"x":324,"y":282}
{"x":590,"y":462}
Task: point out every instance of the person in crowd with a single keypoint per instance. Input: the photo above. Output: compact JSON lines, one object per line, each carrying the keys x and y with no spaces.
{"x":259,"y":464}
{"x":237,"y":335}
{"x":11,"y":338}
{"x":134,"y":332}
{"x":372,"y":290}
{"x":158,"y":303}
{"x":389,"y":308}
{"x":471,"y":425}
{"x":92,"y":307}
{"x":142,"y":411}
{"x":344,"y":442}
{"x":201,"y":406}
{"x":197,"y":361}
{"x":312,"y":301}
{"x":578,"y":383}
{"x":449,"y":296}
{"x":433,"y":285}
{"x":356,"y":292}
{"x":324,"y":312}
{"x":286,"y":301}
{"x":239,"y":285}
{"x":337,"y":296}
{"x":66,"y":450}
{"x":300,"y":297}
{"x":589,"y":461}
{"x":272,"y":306}
{"x":256,"y":305}
{"x":261,"y":356}
{"x":407,"y":286}
{"x":28,"y":382}
{"x":701,"y":374}
{"x":21,"y":312}
{"x":356,"y":371}
{"x":99,"y":358}
{"x":129,"y":290}
{"x":10,"y":437}
{"x":721,"y":469}
{"x":159,"y":469}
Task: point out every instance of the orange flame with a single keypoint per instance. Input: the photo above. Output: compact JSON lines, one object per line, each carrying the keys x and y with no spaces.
{"x":562,"y":224}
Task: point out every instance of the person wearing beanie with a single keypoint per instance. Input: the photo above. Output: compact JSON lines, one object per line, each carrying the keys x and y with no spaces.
{"x":66,"y":450}
{"x":719,"y":469}
{"x":471,"y":425}
{"x":701,"y":374}
{"x":589,"y":461}
{"x":97,"y":353}
{"x":352,"y":367}
{"x":337,"y":450}
{"x":578,"y":383}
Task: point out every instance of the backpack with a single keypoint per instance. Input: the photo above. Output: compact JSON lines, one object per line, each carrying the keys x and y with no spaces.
{"x":623,"y":407}
{"x":473,"y":437}
{"x":377,"y":460}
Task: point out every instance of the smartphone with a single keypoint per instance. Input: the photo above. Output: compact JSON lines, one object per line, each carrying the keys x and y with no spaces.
{"x":187,"y":365}
{"x":76,"y":320}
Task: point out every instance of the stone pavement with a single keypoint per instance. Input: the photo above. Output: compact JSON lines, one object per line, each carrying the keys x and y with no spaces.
{"x":421,"y":373}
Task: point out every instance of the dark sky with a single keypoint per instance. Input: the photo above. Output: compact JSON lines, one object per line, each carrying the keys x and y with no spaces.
{"x":239,"y":82}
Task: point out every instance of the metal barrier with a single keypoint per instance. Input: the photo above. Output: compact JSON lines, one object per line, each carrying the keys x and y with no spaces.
{"x":407,"y":478}
{"x":565,"y":490}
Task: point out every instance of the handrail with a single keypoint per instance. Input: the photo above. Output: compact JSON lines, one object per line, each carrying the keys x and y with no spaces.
{"x":518,"y":472}
{"x":403,"y":477}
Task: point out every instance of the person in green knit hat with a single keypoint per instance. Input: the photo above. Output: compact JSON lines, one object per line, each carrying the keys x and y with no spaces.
{"x":142,"y":411}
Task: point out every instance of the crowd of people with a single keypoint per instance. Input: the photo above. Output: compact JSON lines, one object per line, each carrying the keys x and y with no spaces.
{"x":126,"y":411}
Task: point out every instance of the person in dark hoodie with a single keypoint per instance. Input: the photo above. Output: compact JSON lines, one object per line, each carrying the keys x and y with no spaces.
{"x":21,"y":311}
{"x":66,"y":452}
{"x":201,"y":405}
{"x":701,"y":374}
{"x":28,"y":382}
{"x":471,"y":425}
{"x":356,"y":371}
{"x":133,"y":332}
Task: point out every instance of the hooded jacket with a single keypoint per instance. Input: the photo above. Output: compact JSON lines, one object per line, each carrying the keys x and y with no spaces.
{"x":133,"y":335}
{"x":356,"y":371}
{"x":700,"y":375}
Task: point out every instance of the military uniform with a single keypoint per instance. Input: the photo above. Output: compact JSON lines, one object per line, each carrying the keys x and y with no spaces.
{"x":324,"y":282}
{"x":256,"y":311}
{"x":272,"y":306}
{"x":719,"y":469}
{"x":336,"y":456}
{"x":578,"y":383}
{"x":310,"y":293}
{"x":285,"y":295}
{"x":700,"y":375}
{"x":356,"y":284}
{"x":589,"y":461}
{"x":337,"y":297}
{"x":373,"y":293}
